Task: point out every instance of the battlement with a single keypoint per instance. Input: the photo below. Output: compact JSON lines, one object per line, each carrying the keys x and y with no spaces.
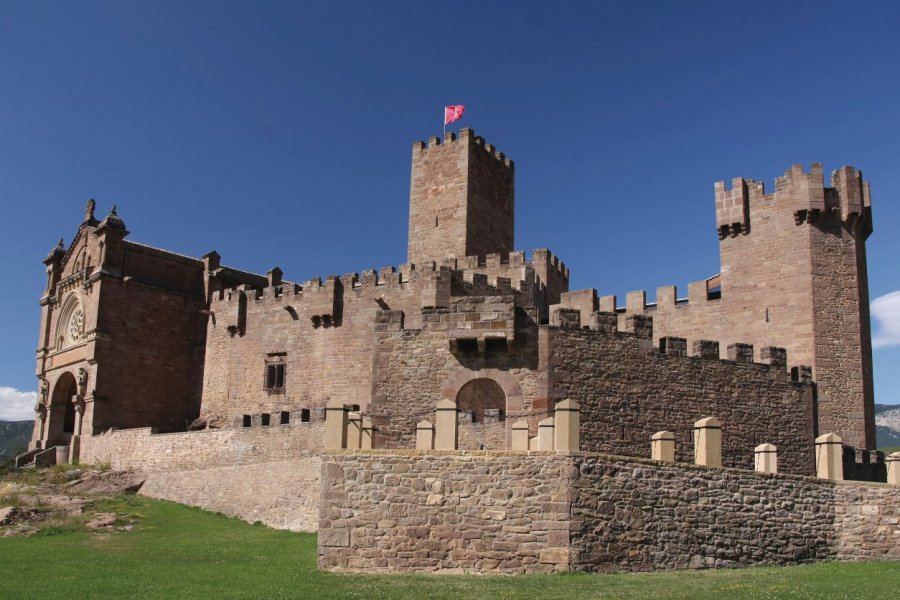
{"x":466,"y":136}
{"x":802,"y":193}
{"x":640,"y":327}
{"x":667,"y":298}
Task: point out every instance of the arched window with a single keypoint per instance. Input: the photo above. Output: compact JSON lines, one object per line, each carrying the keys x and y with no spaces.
{"x":70,"y":330}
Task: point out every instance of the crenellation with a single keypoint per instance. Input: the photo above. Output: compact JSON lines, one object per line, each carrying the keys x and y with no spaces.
{"x":636,"y":302}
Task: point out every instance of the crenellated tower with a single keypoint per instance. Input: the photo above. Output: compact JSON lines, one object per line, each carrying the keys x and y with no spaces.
{"x":794,"y":275}
{"x":461,"y":199}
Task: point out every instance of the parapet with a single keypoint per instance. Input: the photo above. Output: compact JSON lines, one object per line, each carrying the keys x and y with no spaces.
{"x":641,"y":327}
{"x":451,"y":141}
{"x":804,"y":194}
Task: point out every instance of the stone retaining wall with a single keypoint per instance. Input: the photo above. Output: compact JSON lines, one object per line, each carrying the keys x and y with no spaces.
{"x":283,"y":495}
{"x":146,"y":451}
{"x":505,"y":512}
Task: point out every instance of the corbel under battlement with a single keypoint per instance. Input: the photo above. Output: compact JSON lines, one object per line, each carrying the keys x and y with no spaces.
{"x":802,"y":193}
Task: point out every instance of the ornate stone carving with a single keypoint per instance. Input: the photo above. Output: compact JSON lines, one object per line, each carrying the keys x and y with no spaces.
{"x":82,"y":381}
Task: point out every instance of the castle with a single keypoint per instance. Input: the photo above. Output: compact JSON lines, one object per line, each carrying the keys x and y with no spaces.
{"x":138,"y":343}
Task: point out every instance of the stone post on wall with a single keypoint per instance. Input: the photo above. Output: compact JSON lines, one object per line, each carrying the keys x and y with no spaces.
{"x":765,"y":458}
{"x":354,"y":430}
{"x":708,"y":442}
{"x":662,"y":446}
{"x":62,"y":455}
{"x":368,"y":434}
{"x":567,"y":420}
{"x":519,"y":437}
{"x":424,"y":436}
{"x":893,"y":468}
{"x":545,"y":434}
{"x":335,"y":425}
{"x":829,"y":456}
{"x":446,"y":423}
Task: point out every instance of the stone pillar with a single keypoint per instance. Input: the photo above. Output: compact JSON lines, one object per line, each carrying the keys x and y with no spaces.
{"x":662,"y":446}
{"x":424,"y":436}
{"x":354,"y":430}
{"x":368,"y":434}
{"x":335,"y":425}
{"x":545,"y":434}
{"x":520,"y":435}
{"x":567,"y":420}
{"x":766,"y":458}
{"x":708,"y":442}
{"x":829,"y":456}
{"x":893,"y":468}
{"x":446,"y":424}
{"x":62,"y":455}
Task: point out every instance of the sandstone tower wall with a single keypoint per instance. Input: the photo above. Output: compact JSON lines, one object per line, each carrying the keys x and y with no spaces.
{"x":461,"y":199}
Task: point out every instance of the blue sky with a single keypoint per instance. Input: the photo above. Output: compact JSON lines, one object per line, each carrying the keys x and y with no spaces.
{"x":279,"y":133}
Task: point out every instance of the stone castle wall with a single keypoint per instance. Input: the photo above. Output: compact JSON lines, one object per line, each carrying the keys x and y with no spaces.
{"x":143,"y":450}
{"x":502,"y":512}
{"x":267,"y":474}
{"x":629,"y":390}
{"x":281,"y":494}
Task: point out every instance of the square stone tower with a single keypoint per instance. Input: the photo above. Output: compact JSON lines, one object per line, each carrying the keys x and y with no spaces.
{"x":794,"y":275}
{"x":461,"y":199}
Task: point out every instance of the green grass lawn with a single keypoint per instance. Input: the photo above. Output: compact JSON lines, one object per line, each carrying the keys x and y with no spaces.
{"x":181,"y":552}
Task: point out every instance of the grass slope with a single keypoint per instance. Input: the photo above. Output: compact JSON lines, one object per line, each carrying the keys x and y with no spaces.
{"x":181,"y":552}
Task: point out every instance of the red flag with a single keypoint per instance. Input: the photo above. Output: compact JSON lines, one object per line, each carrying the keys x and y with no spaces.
{"x":452,"y":113}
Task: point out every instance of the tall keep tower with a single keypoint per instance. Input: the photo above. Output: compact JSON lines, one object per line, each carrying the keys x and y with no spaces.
{"x":794,"y":275}
{"x":461,"y":199}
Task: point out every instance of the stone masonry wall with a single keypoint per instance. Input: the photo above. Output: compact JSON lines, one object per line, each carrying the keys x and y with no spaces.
{"x":503,"y":512}
{"x":281,"y":494}
{"x":444,"y":512}
{"x":267,"y":474}
{"x":142,"y":450}
{"x":645,"y":516}
{"x":629,"y":391}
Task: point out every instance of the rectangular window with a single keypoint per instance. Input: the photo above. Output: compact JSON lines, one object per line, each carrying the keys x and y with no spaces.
{"x":264,"y":419}
{"x":304,"y":415}
{"x":248,"y":420}
{"x":274,"y":377}
{"x":285,"y":417}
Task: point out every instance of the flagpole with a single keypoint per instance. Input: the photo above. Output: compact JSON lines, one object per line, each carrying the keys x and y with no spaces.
{"x":445,"y":124}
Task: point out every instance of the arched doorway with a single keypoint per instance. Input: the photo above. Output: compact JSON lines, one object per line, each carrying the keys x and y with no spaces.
{"x":482,"y":399}
{"x":61,"y":415}
{"x":482,"y":411}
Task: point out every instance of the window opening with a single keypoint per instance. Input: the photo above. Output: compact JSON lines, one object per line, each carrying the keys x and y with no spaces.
{"x":304,"y":415}
{"x":274,"y":377}
{"x":265,"y":419}
{"x":248,"y":420}
{"x":285,"y":417}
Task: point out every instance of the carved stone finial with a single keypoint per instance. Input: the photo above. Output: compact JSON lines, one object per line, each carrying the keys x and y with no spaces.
{"x":61,"y":244}
{"x":113,"y":212}
{"x":89,"y":210}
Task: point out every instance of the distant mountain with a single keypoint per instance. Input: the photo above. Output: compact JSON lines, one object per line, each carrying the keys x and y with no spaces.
{"x":887,"y":425}
{"x":14,"y":436}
